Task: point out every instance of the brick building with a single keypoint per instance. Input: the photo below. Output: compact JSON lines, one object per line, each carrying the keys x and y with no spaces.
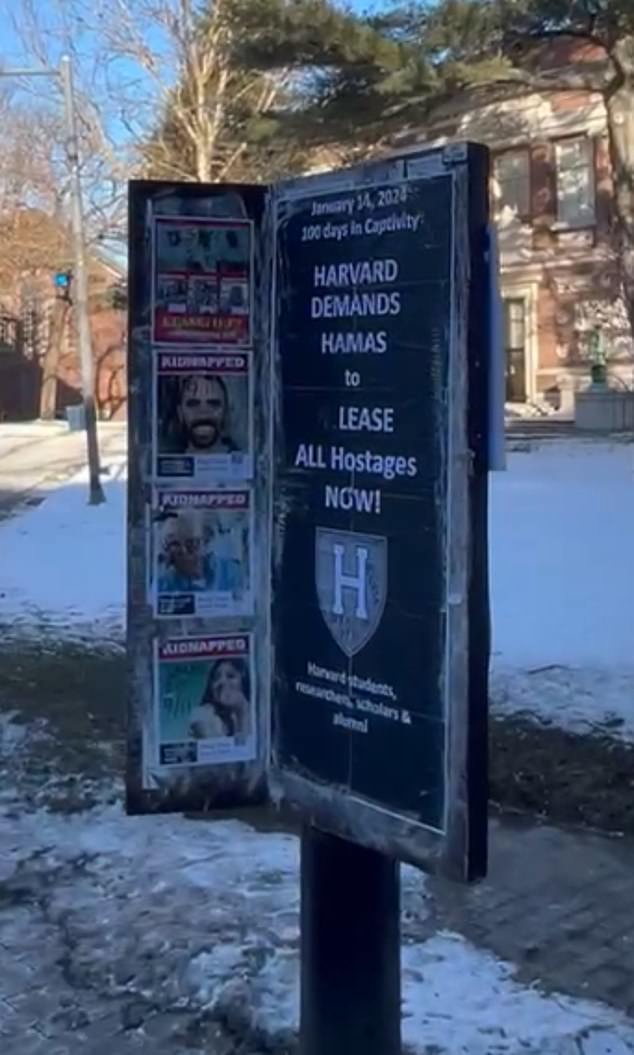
{"x":551,"y":195}
{"x":108,"y":321}
{"x":39,"y":360}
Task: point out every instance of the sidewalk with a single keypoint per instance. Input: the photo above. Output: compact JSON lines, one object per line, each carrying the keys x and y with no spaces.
{"x":558,"y":904}
{"x":36,"y":455}
{"x":167,"y":936}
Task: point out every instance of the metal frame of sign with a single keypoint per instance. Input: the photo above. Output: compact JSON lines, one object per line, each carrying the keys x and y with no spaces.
{"x":201,"y":787}
{"x":460,"y":848}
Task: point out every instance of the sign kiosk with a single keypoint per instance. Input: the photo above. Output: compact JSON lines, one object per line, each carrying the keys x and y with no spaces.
{"x":311,"y":370}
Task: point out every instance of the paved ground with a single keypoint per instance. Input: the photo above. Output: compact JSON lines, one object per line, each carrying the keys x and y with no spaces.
{"x":537,"y":428}
{"x":558,"y":903}
{"x":36,"y":455}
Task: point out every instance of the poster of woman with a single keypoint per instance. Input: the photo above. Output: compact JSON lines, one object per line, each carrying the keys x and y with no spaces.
{"x":204,"y":700}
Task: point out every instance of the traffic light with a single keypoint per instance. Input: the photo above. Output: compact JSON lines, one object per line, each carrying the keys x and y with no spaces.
{"x":62,"y":281}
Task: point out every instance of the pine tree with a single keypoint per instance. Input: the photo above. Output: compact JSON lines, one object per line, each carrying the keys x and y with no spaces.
{"x":216,"y":121}
{"x":264,"y":85}
{"x":480,"y":42}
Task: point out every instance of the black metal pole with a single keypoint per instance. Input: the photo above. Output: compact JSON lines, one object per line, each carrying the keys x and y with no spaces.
{"x":350,"y":948}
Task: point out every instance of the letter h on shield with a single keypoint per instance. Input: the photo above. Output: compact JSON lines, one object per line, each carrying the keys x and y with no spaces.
{"x":347,"y":581}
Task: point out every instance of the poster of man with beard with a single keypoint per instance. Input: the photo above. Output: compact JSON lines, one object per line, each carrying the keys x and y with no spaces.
{"x":202,"y":416}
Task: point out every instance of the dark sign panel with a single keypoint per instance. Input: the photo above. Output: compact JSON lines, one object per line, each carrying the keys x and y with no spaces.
{"x":374,"y":587}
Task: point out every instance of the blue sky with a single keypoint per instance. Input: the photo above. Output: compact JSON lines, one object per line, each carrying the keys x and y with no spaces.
{"x":9,"y":49}
{"x":11,"y":52}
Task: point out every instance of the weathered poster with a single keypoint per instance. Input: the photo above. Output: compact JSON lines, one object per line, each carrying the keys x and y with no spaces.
{"x":204,"y":696}
{"x":203,"y":415}
{"x":366,"y":356}
{"x":372,"y":578}
{"x":203,"y":281}
{"x":202,"y":553}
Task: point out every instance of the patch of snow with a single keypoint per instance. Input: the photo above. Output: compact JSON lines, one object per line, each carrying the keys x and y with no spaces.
{"x":62,"y":564}
{"x":17,"y":740}
{"x":12,"y":733}
{"x":562,"y":560}
{"x":562,"y":568}
{"x":527,"y":410}
{"x":206,"y":972}
{"x":17,"y":737}
{"x":204,"y":915}
{"x":582,"y":700}
{"x":460,"y":1000}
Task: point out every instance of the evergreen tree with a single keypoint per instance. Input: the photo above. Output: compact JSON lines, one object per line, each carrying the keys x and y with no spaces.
{"x":264,"y":85}
{"x":217,"y":121}
{"x":471,"y":42}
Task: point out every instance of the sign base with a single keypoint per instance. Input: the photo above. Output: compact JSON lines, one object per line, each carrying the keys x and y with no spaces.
{"x":350,"y":972}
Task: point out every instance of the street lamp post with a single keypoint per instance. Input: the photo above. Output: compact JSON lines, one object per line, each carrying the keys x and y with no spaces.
{"x":81,"y":285}
{"x":65,"y":76}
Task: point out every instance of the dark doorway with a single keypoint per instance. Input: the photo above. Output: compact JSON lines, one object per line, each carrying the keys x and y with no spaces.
{"x":19,"y":376}
{"x":515,"y":349}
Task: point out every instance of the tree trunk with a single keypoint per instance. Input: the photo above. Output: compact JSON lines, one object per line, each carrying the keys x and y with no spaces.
{"x":203,"y":164}
{"x":50,"y":363}
{"x":620,"y":107}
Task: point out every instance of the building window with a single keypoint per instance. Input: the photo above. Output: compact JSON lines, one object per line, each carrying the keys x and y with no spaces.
{"x":515,"y":348}
{"x":31,"y":325}
{"x":512,"y":185}
{"x":575,"y":182}
{"x":8,"y":334}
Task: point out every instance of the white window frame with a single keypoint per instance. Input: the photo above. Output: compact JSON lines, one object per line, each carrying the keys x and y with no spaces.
{"x":585,"y":217}
{"x":499,"y":204}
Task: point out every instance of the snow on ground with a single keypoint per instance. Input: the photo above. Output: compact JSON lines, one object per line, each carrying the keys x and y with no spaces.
{"x":204,"y":915}
{"x":562,"y":568}
{"x":582,"y":699}
{"x":562,"y":556}
{"x":62,"y":564}
{"x":198,"y":914}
